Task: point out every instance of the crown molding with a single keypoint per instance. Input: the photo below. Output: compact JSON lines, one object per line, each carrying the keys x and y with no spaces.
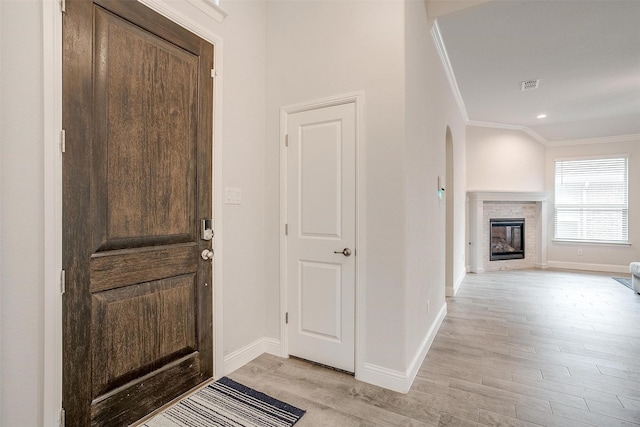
{"x":599,"y":140}
{"x":448,"y":69}
{"x":524,"y":129}
{"x":557,"y":143}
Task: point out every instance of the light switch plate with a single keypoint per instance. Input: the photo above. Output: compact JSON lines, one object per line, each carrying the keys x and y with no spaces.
{"x":233,"y":196}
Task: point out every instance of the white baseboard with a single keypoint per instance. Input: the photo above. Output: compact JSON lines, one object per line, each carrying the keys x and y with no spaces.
{"x":246,"y":354}
{"x":383,"y":377}
{"x":606,"y":268}
{"x":397,"y":380}
{"x":541,"y":266}
{"x":417,"y":360}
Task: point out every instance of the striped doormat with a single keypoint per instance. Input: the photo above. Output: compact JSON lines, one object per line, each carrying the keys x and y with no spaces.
{"x":227,"y":403}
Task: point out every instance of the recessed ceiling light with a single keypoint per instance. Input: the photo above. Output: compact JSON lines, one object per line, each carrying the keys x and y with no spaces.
{"x":541,"y":116}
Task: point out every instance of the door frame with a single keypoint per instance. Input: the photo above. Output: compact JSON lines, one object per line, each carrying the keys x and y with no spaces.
{"x":356,"y":98}
{"x":450,"y":210}
{"x":52,"y":194}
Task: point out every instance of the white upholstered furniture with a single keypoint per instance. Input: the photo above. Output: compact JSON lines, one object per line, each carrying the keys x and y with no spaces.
{"x":634,"y":268}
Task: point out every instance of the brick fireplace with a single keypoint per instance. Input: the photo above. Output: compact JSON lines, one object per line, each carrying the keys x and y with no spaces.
{"x":528,"y":207}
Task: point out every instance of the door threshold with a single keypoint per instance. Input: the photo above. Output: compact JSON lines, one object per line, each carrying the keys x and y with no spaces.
{"x":173,"y":402}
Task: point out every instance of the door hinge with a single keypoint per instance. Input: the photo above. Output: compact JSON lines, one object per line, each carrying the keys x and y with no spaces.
{"x":286,"y":140}
{"x":286,"y":318}
{"x":63,"y":282}
{"x":62,"y":420}
{"x":214,"y":73}
{"x":286,"y":229}
{"x":63,"y":141}
{"x":63,"y":6}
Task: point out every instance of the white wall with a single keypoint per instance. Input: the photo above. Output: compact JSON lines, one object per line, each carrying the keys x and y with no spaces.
{"x":430,"y":108}
{"x":244,"y":32}
{"x":322,"y":48}
{"x":598,"y":257}
{"x":21,"y":213}
{"x":504,"y":160}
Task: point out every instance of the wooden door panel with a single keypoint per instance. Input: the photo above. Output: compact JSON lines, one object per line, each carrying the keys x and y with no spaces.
{"x":114,"y":269}
{"x":116,"y":408}
{"x":137,"y":109}
{"x":148,"y":103}
{"x":148,"y":123}
{"x":139,"y":328}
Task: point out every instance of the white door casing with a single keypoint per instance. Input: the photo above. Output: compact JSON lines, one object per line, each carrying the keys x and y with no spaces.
{"x":321,"y":217}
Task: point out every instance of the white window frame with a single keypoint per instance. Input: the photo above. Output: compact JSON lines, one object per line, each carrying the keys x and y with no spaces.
{"x":557,"y":205}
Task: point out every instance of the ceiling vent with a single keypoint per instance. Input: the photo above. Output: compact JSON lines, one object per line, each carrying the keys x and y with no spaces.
{"x":530,"y":84}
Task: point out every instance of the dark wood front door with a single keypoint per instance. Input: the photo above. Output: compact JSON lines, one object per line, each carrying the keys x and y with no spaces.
{"x":137,"y":311}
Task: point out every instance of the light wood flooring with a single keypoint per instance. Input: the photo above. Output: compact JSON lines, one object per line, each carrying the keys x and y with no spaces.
{"x":517,"y":348}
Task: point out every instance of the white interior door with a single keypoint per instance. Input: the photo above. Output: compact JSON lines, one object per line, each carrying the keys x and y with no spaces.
{"x":321,"y":195}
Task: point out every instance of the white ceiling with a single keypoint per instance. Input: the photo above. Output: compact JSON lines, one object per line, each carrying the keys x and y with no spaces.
{"x":585,"y":53}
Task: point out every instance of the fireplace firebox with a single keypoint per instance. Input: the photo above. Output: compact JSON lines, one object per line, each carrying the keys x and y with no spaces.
{"x":507,"y":239}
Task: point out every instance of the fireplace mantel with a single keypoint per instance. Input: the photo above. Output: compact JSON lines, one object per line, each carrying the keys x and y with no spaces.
{"x":476,"y":200}
{"x":508,"y":196}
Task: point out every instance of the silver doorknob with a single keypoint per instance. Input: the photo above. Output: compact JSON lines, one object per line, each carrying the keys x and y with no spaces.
{"x":207,"y":254}
{"x":345,"y":252}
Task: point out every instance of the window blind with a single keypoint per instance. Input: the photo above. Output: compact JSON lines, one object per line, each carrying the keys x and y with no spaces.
{"x":591,"y":200}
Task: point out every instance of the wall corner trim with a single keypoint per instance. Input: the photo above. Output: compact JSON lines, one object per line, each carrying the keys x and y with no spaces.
{"x":246,"y":354}
{"x":458,"y":280}
{"x":397,"y":380}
